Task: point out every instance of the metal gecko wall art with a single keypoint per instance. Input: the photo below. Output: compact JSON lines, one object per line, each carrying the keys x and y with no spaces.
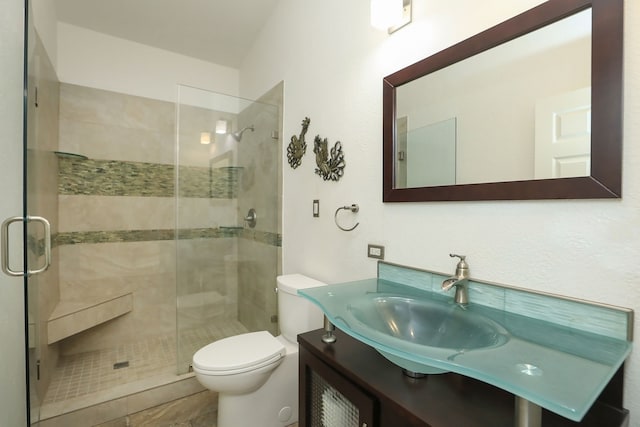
{"x":298,"y":146}
{"x":330,"y":163}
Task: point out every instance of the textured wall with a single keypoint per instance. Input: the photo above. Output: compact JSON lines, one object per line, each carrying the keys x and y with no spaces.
{"x":333,"y":63}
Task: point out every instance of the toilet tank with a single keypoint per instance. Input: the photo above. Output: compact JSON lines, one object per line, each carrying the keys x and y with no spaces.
{"x":295,"y":313}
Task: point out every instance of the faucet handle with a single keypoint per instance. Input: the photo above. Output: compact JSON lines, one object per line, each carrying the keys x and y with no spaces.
{"x":462,"y":257}
{"x":462,"y":269}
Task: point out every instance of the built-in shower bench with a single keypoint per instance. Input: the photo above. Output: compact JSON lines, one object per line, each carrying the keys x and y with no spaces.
{"x":88,"y":303}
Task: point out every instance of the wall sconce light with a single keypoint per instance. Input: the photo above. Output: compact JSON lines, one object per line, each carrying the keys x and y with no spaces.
{"x":390,"y":15}
{"x":205,"y":138}
{"x":221,"y":127}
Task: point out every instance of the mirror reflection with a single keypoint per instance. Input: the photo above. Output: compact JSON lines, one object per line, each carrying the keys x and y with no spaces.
{"x":519,"y":111}
{"x":426,"y":155}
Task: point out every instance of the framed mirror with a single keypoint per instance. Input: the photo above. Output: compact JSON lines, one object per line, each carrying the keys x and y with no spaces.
{"x":528,"y":109}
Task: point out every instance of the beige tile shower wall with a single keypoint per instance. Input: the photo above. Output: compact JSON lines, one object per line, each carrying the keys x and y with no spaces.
{"x":256,"y":285}
{"x":42,"y":125}
{"x":111,"y":126}
{"x":211,"y":213}
{"x":107,"y":125}
{"x":139,"y":135}
{"x":260,"y":155}
{"x":146,"y":268}
{"x":206,"y":268}
{"x":99,"y":213}
{"x":207,"y":281}
{"x":192,"y":122}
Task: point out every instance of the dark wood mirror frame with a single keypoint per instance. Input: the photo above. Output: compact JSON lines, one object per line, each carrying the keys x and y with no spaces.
{"x":605,"y":180}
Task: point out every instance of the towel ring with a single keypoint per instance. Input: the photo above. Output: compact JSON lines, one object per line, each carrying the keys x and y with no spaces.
{"x":353,"y":208}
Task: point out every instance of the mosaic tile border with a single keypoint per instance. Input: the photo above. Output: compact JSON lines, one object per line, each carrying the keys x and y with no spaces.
{"x":119,"y":236}
{"x":602,"y":319}
{"x":91,"y":177}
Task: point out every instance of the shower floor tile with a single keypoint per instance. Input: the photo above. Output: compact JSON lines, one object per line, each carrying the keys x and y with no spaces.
{"x":92,"y":377}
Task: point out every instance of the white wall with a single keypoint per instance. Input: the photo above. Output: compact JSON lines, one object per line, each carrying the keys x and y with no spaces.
{"x":12,"y":368}
{"x":97,"y":60}
{"x":333,"y":63}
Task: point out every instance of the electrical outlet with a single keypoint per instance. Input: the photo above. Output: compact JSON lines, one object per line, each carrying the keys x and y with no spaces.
{"x":375,"y":251}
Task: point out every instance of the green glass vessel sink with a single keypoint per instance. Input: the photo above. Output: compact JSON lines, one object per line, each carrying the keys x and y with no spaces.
{"x":559,"y":368}
{"x":425,"y":323}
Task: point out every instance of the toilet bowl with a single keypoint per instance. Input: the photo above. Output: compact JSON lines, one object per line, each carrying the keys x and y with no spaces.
{"x":256,"y":374}
{"x":238,"y":364}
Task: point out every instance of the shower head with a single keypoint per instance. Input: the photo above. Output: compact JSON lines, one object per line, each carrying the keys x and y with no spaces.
{"x":238,"y":135}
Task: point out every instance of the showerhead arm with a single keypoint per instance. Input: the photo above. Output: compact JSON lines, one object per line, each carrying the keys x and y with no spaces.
{"x":238,"y":135}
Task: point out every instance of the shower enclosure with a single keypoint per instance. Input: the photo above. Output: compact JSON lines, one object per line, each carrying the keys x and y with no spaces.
{"x":227,"y":218}
{"x":151,"y":255}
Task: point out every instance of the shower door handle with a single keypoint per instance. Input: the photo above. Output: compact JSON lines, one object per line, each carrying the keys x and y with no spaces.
{"x":5,"y":245}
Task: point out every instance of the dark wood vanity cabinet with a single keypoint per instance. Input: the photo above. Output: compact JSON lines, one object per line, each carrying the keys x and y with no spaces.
{"x":349,"y":384}
{"x":331,"y":399}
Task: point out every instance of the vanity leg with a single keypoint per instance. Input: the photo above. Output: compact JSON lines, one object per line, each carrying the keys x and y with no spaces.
{"x":328,"y":336}
{"x":527,"y":414}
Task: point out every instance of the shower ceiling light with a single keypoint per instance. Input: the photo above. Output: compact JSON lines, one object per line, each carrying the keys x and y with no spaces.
{"x":205,"y":138}
{"x":221,"y":127}
{"x":390,"y":15}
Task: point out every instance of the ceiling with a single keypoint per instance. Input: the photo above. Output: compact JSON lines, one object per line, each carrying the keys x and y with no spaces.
{"x":218,"y":31}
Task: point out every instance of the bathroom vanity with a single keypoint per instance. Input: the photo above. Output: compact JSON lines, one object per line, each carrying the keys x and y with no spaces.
{"x":502,"y":359}
{"x":348,"y":383}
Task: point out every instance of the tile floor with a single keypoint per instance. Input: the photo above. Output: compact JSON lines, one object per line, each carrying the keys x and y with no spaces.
{"x":88,"y":375}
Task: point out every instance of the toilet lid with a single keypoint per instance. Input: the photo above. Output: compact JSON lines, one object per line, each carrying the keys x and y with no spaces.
{"x":239,"y":353}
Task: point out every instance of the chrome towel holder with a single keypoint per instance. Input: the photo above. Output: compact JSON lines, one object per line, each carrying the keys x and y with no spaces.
{"x":353,"y":208}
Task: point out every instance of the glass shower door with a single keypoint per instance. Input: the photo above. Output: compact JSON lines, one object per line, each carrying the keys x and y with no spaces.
{"x":32,"y":283}
{"x":40,"y":203}
{"x":227,"y":174}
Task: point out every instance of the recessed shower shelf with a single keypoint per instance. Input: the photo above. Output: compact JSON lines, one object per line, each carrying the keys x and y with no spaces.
{"x":87,"y":304}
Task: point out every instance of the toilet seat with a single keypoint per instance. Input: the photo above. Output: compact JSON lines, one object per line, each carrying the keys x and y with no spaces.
{"x":238,"y":354}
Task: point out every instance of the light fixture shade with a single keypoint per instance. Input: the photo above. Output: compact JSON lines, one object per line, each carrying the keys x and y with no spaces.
{"x":205,"y":138}
{"x":221,"y":127}
{"x":386,"y":13}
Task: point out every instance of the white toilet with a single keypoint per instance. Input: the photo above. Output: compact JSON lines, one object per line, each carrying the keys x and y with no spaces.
{"x":256,"y":374}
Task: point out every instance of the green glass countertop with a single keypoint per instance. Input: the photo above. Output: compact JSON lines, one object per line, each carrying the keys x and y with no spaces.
{"x":558,"y":368}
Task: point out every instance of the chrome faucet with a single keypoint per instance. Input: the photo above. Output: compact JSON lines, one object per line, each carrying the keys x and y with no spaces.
{"x":460,"y":281}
